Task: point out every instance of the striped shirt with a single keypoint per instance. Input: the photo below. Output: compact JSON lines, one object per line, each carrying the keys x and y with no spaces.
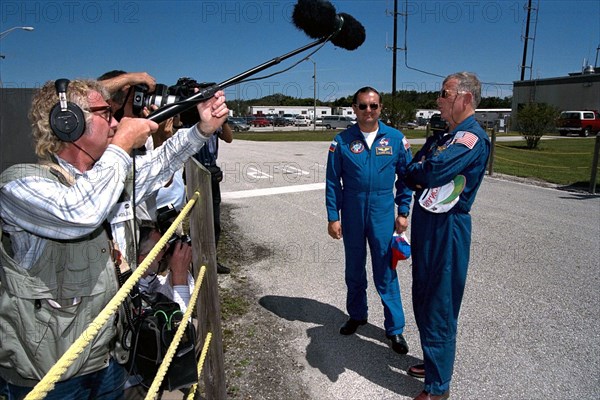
{"x":34,"y":208}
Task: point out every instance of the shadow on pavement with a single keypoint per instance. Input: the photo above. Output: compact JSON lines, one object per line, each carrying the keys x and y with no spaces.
{"x":367,"y":352}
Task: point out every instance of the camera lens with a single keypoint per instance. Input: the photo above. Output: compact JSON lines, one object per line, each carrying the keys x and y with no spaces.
{"x":160,"y":97}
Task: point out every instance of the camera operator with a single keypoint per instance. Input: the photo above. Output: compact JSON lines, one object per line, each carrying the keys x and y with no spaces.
{"x":169,"y":273}
{"x":59,"y":269}
{"x":122,"y":86}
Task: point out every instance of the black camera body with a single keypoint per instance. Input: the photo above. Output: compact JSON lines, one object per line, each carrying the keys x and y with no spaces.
{"x":164,"y":218}
{"x":163,"y":95}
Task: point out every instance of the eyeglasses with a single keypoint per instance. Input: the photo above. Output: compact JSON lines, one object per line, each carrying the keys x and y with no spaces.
{"x":372,"y":106}
{"x":445,"y":93}
{"x":106,"y":112}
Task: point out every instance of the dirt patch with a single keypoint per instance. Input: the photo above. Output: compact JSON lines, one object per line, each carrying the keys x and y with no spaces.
{"x":257,"y":362}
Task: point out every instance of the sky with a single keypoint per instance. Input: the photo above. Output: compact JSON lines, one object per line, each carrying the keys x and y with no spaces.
{"x":214,"y":41}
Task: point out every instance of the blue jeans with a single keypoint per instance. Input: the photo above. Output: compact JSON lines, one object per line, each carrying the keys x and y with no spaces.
{"x":106,"y":384}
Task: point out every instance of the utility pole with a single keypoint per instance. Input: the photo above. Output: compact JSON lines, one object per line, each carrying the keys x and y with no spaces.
{"x":524,"y":63}
{"x":394,"y":50}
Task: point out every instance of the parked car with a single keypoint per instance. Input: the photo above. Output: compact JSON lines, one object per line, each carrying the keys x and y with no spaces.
{"x":238,"y":124}
{"x":302,"y":120}
{"x":280,"y":121}
{"x":438,"y":124}
{"x":289,"y":118}
{"x":260,"y":121}
{"x":583,"y":123}
{"x":338,"y":121}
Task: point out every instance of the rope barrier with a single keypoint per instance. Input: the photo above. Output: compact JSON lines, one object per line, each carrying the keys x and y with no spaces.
{"x":527,"y":150}
{"x":539,"y":165}
{"x":166,"y":363}
{"x":205,"y":347}
{"x":55,"y":373}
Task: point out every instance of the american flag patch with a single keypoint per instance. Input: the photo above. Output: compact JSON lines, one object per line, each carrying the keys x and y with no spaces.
{"x":468,"y":139}
{"x":406,"y":144}
{"x":332,"y":146}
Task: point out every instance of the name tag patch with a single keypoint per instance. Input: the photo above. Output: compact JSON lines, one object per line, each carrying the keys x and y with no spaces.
{"x":121,"y":212}
{"x":383,"y":150}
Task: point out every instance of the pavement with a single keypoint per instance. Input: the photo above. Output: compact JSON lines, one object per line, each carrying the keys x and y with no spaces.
{"x":529,"y":326}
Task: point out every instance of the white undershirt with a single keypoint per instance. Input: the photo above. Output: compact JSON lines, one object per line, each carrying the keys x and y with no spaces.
{"x":370,"y":137}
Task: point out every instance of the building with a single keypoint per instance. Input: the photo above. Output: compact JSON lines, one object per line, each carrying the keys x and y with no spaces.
{"x":345,"y":111}
{"x":295,"y":110}
{"x":422,"y":116}
{"x":578,"y":91}
{"x":493,"y":117}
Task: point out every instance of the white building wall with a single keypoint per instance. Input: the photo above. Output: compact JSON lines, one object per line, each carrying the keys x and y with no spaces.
{"x":300,"y":110}
{"x":425,"y":114}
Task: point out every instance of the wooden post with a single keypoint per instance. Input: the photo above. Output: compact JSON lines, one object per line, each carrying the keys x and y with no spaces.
{"x":208,"y":308}
{"x":492,"y":153}
{"x":595,"y":165}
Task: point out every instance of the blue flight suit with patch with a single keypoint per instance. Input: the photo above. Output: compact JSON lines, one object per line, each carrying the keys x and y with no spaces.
{"x":360,"y":183}
{"x":441,"y":243}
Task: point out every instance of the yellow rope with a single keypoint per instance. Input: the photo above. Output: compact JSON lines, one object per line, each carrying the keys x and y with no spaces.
{"x":200,"y":364}
{"x":164,"y":366}
{"x":539,"y":165}
{"x":563,"y":154}
{"x":55,"y":373}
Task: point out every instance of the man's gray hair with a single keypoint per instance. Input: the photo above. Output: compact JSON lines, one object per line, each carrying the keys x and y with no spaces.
{"x":468,"y":82}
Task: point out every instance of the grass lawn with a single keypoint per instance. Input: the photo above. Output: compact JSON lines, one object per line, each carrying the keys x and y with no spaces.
{"x":560,"y":161}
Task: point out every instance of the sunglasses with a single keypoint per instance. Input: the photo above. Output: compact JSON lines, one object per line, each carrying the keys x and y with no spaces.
{"x":106,"y":112}
{"x":372,"y":106}
{"x":445,"y":93}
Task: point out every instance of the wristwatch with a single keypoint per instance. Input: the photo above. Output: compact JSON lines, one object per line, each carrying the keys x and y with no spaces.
{"x":405,"y":215}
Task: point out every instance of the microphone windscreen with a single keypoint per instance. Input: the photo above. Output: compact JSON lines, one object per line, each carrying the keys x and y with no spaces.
{"x":317,"y":18}
{"x":352,"y":34}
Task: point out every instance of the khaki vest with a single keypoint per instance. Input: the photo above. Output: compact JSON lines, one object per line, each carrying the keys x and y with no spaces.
{"x":35,"y":332}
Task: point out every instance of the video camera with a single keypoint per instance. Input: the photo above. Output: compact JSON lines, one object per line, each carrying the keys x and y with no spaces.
{"x":164,"y":218}
{"x":163,"y":95}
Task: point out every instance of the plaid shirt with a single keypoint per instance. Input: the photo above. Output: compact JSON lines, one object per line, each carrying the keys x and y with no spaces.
{"x":34,"y":208}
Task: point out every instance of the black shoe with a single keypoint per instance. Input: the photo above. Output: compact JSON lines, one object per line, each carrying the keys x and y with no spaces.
{"x":221,"y":269}
{"x":399,"y":345}
{"x":351,"y":325}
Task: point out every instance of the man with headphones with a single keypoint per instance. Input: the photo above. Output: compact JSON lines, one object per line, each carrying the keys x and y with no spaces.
{"x":58,"y":265}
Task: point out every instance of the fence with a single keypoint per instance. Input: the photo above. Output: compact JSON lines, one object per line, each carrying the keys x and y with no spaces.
{"x":205,"y":298}
{"x":592,"y":166}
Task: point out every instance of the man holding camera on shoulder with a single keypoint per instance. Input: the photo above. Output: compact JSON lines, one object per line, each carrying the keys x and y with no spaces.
{"x":58,"y":269}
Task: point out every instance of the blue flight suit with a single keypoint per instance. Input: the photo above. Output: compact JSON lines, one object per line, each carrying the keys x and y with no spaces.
{"x":360,"y":183}
{"x":441,"y":243}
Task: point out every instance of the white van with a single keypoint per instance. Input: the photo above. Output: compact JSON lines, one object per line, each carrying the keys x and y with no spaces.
{"x":338,"y":121}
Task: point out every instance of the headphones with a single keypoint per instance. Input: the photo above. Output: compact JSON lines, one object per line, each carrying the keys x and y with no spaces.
{"x":66,"y":118}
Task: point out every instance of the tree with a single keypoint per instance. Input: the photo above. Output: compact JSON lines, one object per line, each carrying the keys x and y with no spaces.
{"x":535,"y":119}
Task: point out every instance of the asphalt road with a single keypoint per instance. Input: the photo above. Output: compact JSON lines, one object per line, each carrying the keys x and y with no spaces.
{"x":529,"y":325}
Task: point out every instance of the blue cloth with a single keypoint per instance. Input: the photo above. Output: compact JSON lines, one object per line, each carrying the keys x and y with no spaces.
{"x":441,"y":244}
{"x":360,"y":183}
{"x":106,"y":384}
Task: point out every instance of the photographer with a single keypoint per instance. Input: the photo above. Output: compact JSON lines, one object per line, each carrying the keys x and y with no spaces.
{"x":122,"y":87}
{"x":58,"y":269}
{"x":169,"y":273}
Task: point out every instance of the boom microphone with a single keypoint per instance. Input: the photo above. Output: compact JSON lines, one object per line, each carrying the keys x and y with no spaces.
{"x":351,"y":35}
{"x":318,"y":19}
